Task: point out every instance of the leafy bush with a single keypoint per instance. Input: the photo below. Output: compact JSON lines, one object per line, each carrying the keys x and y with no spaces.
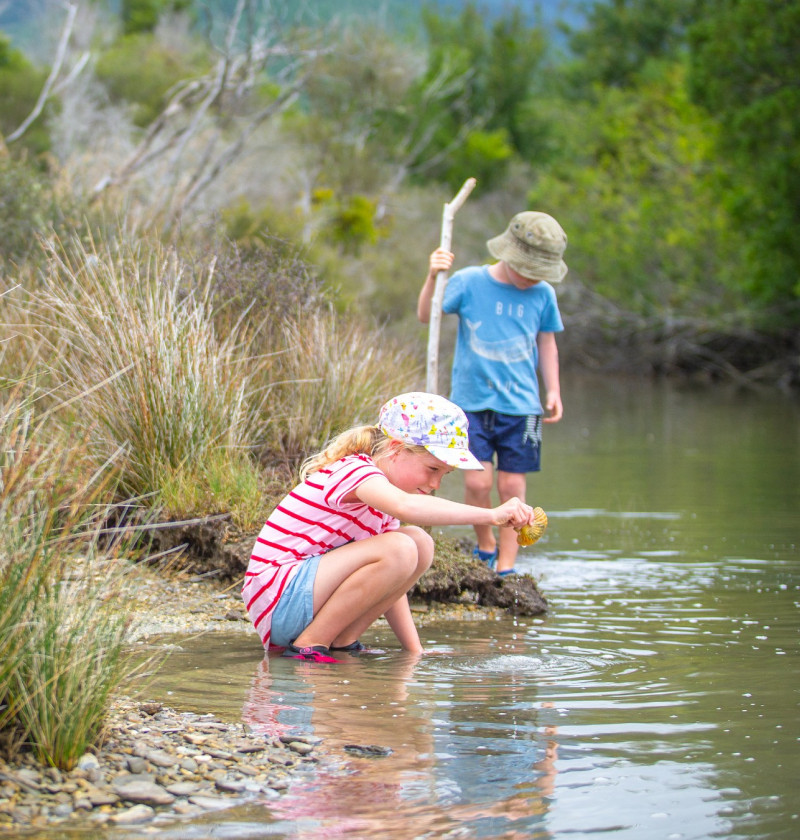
{"x":20,"y":84}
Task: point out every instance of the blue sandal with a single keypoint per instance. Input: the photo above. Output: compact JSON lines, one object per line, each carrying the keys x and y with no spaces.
{"x":488,"y":557}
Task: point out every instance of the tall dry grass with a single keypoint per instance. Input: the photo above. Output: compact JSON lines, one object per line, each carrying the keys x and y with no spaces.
{"x":335,"y":372}
{"x":130,"y":330}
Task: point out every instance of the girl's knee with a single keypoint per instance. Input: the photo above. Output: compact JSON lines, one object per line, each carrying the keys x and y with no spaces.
{"x":424,"y":545}
{"x":413,"y":550}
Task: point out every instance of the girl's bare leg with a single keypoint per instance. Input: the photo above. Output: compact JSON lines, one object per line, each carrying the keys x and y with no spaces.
{"x":360,"y":581}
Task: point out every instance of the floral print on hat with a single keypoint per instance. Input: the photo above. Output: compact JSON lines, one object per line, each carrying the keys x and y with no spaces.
{"x":433,"y":422}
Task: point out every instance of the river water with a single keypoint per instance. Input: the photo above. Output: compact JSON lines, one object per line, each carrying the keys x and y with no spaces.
{"x":657,"y":698}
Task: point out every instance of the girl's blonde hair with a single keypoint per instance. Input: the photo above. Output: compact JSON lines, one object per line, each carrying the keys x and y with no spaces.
{"x":360,"y":440}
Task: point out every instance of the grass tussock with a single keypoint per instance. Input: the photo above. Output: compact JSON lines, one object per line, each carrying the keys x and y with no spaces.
{"x":138,"y":357}
{"x":61,"y":636}
{"x":335,"y":372}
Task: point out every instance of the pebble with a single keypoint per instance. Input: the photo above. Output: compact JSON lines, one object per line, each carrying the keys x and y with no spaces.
{"x":141,"y":772}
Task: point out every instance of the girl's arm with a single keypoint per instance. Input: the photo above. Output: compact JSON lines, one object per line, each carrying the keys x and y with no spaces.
{"x":423,"y":509}
{"x":402,"y":623}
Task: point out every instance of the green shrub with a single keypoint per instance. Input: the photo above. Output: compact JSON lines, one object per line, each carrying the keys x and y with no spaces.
{"x":140,"y":70}
{"x":20,"y":85}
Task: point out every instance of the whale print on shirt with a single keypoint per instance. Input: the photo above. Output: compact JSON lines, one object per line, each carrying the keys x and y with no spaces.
{"x":508,"y":350}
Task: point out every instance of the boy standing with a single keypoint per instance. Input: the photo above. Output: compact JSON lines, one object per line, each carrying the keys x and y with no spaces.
{"x":507,"y":320}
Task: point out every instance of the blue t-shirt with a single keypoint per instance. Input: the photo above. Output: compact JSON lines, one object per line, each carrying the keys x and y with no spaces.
{"x":496,"y":354}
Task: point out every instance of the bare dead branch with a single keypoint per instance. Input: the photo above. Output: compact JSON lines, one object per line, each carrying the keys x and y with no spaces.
{"x":55,"y":70}
{"x":205,"y":175}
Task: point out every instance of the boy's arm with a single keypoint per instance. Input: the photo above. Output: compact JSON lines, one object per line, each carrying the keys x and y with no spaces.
{"x":440,"y":260}
{"x":548,"y":367}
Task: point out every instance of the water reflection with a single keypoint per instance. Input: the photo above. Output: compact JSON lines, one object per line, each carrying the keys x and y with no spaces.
{"x":381,"y":700}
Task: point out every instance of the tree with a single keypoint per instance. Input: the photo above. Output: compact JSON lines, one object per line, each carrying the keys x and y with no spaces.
{"x":745,"y":66}
{"x":20,"y":84}
{"x":636,"y":190}
{"x":621,"y":36}
{"x":500,"y":66}
{"x":143,"y":15}
{"x":207,"y":120}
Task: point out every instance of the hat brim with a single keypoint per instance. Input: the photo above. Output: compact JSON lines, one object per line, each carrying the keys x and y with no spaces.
{"x":461,"y":459}
{"x":553,"y":271}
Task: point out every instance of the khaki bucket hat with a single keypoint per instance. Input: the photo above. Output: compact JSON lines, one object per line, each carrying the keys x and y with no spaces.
{"x":532,"y":244}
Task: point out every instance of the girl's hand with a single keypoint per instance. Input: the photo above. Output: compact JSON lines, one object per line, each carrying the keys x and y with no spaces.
{"x":514,"y":512}
{"x":440,"y":260}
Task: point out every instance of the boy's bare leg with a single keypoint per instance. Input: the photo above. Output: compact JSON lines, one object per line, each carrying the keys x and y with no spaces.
{"x":509,"y":485}
{"x":478,"y":492}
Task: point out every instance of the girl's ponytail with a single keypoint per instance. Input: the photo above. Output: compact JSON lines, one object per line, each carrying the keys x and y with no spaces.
{"x":367,"y":440}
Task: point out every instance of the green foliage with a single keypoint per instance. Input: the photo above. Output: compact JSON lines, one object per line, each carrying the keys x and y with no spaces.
{"x":140,"y":70}
{"x":20,"y":85}
{"x":352,"y":223}
{"x":492,"y":72}
{"x":638,"y":199}
{"x":223,"y":482}
{"x":484,"y":155}
{"x":744,"y":69}
{"x":621,"y":36}
{"x":143,"y":15}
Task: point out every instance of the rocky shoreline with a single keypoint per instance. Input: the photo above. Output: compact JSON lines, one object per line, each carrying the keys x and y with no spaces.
{"x":154,"y":766}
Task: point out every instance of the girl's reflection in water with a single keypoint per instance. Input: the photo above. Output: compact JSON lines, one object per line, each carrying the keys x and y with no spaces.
{"x":408,"y":793}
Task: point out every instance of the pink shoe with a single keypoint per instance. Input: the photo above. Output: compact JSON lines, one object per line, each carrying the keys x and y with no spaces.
{"x":315,"y":653}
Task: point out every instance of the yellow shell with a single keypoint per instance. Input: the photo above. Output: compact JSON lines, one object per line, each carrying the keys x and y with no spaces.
{"x":529,"y":534}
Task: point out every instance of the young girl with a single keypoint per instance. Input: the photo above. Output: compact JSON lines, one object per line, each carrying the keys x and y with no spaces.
{"x":333,"y":557}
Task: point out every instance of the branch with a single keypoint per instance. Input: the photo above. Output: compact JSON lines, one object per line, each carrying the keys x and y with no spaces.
{"x":44,"y":94}
{"x":201,"y":180}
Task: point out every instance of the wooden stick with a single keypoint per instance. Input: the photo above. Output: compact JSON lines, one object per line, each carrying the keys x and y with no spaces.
{"x":448,"y":216}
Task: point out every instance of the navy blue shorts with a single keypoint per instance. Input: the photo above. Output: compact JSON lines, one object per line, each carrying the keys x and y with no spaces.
{"x":517,"y":440}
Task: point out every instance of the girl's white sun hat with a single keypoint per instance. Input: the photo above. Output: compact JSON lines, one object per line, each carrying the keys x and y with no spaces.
{"x":433,"y":422}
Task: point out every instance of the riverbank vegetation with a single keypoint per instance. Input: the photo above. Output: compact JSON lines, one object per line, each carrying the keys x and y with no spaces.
{"x":215,"y":228}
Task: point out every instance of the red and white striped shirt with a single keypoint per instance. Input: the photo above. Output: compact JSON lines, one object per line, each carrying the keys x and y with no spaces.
{"x":308,"y":522}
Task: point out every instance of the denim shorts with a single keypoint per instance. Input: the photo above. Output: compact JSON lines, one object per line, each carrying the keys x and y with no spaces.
{"x":517,"y":440}
{"x":296,"y":605}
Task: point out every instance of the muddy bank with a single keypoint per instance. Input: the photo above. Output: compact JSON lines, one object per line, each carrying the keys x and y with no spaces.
{"x":213,"y":547}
